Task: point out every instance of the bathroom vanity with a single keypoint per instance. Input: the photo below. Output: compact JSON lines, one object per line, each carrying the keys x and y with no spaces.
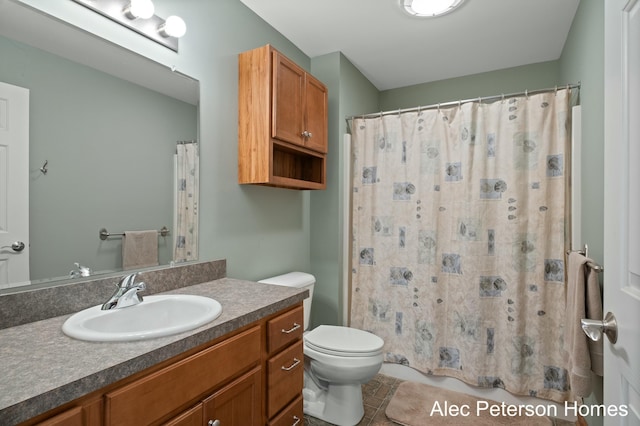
{"x":244,"y":368}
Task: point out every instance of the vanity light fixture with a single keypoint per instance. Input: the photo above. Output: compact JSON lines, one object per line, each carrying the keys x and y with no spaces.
{"x":138,"y":15}
{"x":429,"y":8}
{"x":174,"y":26}
{"x":143,"y":9}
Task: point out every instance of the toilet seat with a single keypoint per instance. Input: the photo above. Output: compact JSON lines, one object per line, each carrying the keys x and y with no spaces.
{"x":343,"y":341}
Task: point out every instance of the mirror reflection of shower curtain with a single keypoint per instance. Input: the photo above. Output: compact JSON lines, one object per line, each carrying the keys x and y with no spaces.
{"x":459,"y":239}
{"x":187,"y":175}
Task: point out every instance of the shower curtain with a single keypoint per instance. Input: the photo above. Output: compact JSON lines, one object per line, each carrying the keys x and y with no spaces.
{"x":187,"y":193}
{"x":459,"y":239}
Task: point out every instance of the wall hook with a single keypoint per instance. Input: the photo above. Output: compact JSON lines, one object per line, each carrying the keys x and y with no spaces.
{"x":44,"y":169}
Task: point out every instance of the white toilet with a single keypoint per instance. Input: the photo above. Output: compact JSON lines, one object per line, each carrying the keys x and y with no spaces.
{"x":338,"y":360}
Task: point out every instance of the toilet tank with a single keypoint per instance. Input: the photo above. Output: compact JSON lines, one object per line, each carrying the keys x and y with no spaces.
{"x":297,"y":280}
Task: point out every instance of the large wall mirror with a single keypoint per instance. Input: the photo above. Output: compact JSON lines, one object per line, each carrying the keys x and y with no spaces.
{"x":106,"y":122}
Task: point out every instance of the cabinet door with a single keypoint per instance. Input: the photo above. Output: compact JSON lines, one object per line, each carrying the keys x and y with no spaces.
{"x":192,"y":417}
{"x":288,"y":109}
{"x":315,"y":114}
{"x":237,"y":404}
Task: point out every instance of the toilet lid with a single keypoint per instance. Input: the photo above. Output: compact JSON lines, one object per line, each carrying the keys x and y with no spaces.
{"x":343,"y":341}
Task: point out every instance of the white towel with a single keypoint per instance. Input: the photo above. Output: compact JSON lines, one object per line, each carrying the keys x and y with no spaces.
{"x":583,"y":300}
{"x":139,"y":249}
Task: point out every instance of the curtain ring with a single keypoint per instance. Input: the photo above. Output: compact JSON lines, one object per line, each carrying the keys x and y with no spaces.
{"x":556,"y":91}
{"x":526,"y":94}
{"x":438,"y":108}
{"x":503,"y":98}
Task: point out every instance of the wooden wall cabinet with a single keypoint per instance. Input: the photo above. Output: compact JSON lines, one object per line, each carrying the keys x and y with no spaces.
{"x":253,"y":377}
{"x":282,"y":122}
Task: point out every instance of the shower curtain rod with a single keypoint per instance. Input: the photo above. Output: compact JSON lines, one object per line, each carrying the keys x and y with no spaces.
{"x":452,"y":103}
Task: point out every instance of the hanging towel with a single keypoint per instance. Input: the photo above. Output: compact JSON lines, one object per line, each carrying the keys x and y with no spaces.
{"x":139,"y":249}
{"x":583,"y":300}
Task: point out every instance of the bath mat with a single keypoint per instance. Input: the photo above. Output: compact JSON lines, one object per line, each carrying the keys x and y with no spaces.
{"x":417,"y":404}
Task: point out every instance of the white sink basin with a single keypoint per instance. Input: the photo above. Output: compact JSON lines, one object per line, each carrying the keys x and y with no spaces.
{"x":156,"y":316}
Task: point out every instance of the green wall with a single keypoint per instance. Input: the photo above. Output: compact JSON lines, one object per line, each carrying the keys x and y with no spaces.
{"x":583,"y":60}
{"x":349,"y":93}
{"x":511,"y":80}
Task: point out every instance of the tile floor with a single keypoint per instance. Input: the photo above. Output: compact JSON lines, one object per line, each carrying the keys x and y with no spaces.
{"x":376,"y":395}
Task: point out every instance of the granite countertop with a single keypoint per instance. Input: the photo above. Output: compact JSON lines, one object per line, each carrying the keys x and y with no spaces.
{"x":42,"y":368}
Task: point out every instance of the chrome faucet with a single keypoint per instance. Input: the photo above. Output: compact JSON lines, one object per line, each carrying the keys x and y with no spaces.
{"x":80,"y":271}
{"x":126,"y":294}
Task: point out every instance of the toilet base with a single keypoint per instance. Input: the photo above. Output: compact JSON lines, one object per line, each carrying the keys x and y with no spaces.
{"x":340,"y":404}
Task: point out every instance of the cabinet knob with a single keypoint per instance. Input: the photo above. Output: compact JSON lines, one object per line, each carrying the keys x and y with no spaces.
{"x":307,"y":134}
{"x":214,"y":422}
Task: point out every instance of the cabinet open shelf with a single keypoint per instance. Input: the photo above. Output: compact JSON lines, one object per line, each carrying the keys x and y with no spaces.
{"x":295,"y":169}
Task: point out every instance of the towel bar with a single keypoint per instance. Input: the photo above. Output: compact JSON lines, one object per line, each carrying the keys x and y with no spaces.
{"x":584,"y":252}
{"x":104,"y":234}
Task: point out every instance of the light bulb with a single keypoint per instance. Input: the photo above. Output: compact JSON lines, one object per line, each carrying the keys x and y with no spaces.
{"x":174,"y":26}
{"x":143,"y":9}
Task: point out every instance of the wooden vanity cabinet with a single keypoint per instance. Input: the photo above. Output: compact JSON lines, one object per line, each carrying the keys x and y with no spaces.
{"x":282,"y":122}
{"x":252,"y":377}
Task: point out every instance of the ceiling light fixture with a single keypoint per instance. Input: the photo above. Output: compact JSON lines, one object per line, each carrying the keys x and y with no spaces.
{"x":138,"y":15}
{"x":429,"y":8}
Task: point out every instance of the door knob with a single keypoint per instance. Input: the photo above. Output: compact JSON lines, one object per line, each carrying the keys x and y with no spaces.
{"x":594,"y":328}
{"x":17,"y":246}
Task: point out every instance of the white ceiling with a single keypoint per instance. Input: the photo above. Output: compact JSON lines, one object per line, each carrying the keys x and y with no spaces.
{"x":393,"y":49}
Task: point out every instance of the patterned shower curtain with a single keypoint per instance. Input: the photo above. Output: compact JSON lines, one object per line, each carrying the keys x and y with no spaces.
{"x":459,"y":239}
{"x":187,"y":193}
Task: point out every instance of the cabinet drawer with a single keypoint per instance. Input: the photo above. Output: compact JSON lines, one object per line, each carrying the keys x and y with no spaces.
{"x":293,"y":415}
{"x":157,"y":395}
{"x":285,"y":378}
{"x":71,"y":417}
{"x":284,"y":329}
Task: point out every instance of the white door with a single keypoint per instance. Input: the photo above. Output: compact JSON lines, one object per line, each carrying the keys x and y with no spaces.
{"x":622,"y":207}
{"x":14,"y":185}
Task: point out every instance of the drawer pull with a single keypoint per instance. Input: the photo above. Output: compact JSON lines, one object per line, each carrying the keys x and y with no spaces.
{"x":297,"y":420}
{"x":214,"y":423}
{"x":292,"y":329}
{"x":296,"y":361}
